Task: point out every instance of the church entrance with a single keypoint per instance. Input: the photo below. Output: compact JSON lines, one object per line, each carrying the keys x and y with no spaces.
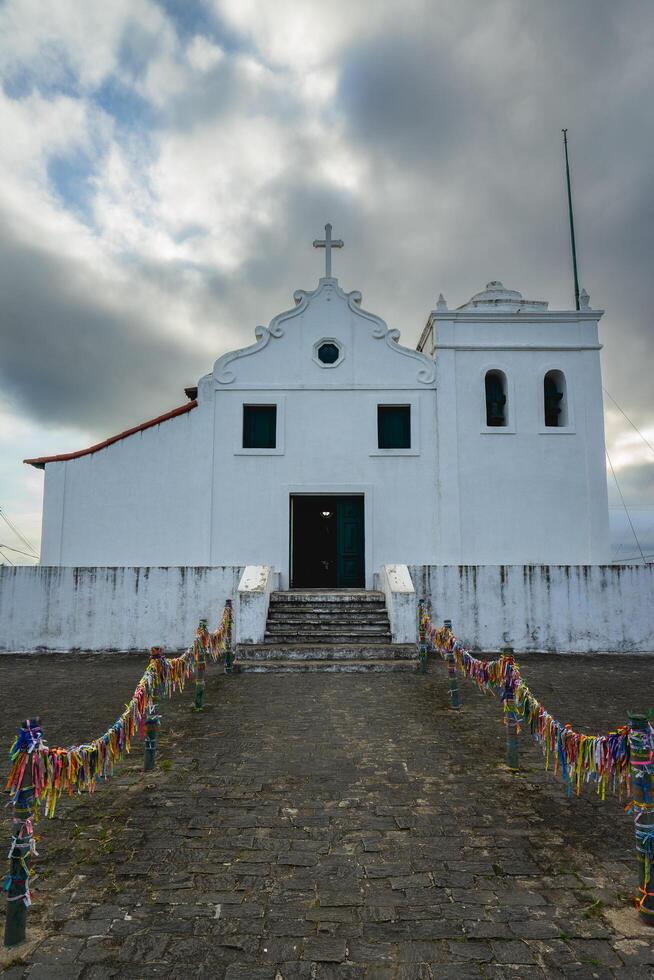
{"x":327,"y":541}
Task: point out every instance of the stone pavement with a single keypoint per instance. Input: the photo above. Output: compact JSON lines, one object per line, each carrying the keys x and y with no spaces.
{"x":330,"y":826}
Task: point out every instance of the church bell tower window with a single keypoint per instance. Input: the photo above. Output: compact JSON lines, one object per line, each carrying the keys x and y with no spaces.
{"x":259,"y":426}
{"x":496,"y":407}
{"x":555,"y":401}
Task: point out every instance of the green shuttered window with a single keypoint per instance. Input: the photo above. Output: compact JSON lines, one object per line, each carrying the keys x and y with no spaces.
{"x":259,"y":426}
{"x":394,"y":426}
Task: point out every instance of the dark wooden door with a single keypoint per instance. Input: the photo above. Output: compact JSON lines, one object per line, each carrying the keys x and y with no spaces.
{"x":349,"y":543}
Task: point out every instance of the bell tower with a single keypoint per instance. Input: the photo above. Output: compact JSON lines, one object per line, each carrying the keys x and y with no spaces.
{"x":522,"y":478}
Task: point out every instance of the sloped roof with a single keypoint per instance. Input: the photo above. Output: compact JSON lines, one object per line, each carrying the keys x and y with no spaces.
{"x":40,"y":461}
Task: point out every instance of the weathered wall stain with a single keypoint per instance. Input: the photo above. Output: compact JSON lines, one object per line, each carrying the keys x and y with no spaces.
{"x":63,"y":608}
{"x":552,"y":608}
{"x":559,"y":608}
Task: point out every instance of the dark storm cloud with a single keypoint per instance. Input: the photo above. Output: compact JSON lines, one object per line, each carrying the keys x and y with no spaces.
{"x":407,"y":101}
{"x":469,"y":108}
{"x":67,"y":357}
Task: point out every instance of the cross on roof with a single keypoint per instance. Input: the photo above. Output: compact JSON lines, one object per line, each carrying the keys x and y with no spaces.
{"x":328,"y":244}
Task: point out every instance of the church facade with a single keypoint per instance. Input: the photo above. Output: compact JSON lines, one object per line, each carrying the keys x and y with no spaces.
{"x":326,"y":450}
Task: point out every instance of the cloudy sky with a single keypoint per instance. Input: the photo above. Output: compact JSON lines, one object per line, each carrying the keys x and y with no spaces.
{"x":165,"y":166}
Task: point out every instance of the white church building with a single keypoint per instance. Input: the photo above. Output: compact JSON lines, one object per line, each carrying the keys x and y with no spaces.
{"x":327,"y":453}
{"x":327,"y":449}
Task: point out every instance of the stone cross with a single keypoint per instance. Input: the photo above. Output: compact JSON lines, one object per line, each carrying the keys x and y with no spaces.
{"x":328,"y":244}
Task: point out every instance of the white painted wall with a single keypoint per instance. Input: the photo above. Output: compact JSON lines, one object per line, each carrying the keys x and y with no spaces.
{"x":396,"y":584}
{"x":253,"y":599}
{"x":186,"y":492}
{"x":141,"y":501}
{"x":109,"y":608}
{"x":559,"y":608}
{"x":327,"y":434}
{"x":522,"y":493}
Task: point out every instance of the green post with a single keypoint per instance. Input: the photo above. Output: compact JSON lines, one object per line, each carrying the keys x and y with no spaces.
{"x":641,"y":751}
{"x":16,"y":885}
{"x":229,"y":656}
{"x":510,"y":717}
{"x":200,"y":644}
{"x":455,"y":697}
{"x":422,"y":637}
{"x":152,"y":721}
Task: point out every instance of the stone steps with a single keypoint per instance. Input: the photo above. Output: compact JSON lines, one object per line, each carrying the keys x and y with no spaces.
{"x":317,"y":616}
{"x":347,"y":597}
{"x":318,"y":637}
{"x":339,"y":630}
{"x":325,"y":666}
{"x":331,"y":628}
{"x":326,"y":651}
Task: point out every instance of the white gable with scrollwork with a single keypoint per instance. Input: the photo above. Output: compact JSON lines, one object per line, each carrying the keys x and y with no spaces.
{"x":285,"y":354}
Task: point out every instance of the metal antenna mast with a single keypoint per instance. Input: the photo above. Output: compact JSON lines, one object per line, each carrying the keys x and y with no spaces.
{"x":572,"y":220}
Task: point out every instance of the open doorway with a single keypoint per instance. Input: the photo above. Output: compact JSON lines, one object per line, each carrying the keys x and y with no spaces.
{"x":327,"y":542}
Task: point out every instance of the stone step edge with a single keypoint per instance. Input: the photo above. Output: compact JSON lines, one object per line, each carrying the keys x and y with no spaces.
{"x":327,"y":646}
{"x":326,"y":597}
{"x":309,"y":651}
{"x":376,"y":606}
{"x":343,"y":655}
{"x":328,"y":612}
{"x":326,"y":666}
{"x":328,"y":635}
{"x":345,"y":642}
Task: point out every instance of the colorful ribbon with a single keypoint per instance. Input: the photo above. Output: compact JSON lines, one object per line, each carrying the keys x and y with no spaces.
{"x":600,"y":759}
{"x":79,"y":768}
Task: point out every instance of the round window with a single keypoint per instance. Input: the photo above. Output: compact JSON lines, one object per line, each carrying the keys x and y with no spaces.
{"x":328,"y":353}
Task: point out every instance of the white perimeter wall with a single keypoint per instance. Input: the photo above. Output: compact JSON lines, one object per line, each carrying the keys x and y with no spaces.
{"x":559,"y":608}
{"x":109,"y":608}
{"x":567,"y":609}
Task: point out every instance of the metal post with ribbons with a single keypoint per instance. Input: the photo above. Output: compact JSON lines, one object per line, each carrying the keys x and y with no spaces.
{"x":152,"y":722}
{"x":229,"y":656}
{"x":641,"y":752}
{"x":510,"y":713}
{"x":455,"y":697}
{"x":422,"y":637}
{"x":200,"y":652}
{"x":16,"y":884}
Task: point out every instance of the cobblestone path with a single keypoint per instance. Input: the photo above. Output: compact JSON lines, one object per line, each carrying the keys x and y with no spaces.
{"x":331,"y":826}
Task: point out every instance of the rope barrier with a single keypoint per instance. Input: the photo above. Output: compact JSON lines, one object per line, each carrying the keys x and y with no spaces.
{"x":576,"y":756}
{"x":622,"y":759}
{"x":78,"y":768}
{"x":40,"y":774}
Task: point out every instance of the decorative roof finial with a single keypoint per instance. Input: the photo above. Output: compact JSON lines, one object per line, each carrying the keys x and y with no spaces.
{"x":584,"y":300}
{"x":441,"y":303}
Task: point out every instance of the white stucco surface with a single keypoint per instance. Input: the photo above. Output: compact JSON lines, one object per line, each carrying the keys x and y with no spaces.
{"x":109,"y":608}
{"x":136,"y":502}
{"x":565,"y":609}
{"x":186,"y":491}
{"x":523,"y":493}
{"x":396,"y":584}
{"x":253,"y":599}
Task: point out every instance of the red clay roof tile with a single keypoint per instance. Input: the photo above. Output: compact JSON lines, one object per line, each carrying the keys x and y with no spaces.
{"x":40,"y":461}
